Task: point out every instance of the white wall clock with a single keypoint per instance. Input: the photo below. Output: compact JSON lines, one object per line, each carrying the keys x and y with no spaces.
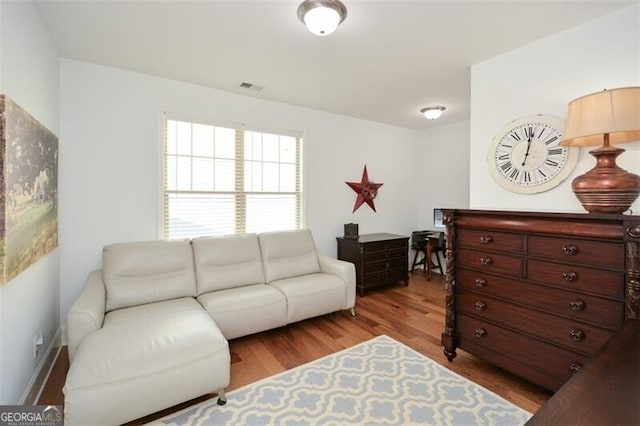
{"x":524,"y":157}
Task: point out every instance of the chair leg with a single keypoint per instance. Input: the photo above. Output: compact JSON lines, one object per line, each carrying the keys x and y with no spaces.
{"x":439,"y":265}
{"x":415,"y":258}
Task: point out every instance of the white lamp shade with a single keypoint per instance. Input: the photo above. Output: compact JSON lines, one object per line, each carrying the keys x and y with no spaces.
{"x":322,"y":20}
{"x":615,"y":112}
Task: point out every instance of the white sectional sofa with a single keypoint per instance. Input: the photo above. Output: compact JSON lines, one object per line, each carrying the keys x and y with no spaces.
{"x":149,"y":330}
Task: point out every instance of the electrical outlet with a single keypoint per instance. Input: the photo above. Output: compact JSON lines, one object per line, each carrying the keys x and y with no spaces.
{"x":38,"y":341}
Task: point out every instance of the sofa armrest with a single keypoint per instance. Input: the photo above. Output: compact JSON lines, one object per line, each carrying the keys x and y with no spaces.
{"x":87,"y":313}
{"x":343,"y":270}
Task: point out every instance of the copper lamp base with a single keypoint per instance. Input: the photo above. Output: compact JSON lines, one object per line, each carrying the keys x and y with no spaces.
{"x":606,"y":188}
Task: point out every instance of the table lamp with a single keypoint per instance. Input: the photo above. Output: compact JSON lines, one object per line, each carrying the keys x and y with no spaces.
{"x":605,"y":118}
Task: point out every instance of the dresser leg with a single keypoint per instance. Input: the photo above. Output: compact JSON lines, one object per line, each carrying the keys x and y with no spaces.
{"x":449,"y":349}
{"x":353,"y":312}
{"x":450,"y":355}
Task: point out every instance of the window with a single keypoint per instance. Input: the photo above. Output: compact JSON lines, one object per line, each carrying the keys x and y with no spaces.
{"x":225,"y":180}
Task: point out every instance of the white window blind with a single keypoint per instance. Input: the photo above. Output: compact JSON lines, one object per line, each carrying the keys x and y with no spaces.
{"x":222,"y":180}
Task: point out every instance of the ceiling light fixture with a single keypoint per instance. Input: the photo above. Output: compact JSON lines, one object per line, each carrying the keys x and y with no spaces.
{"x":432,"y":112}
{"x":322,"y":17}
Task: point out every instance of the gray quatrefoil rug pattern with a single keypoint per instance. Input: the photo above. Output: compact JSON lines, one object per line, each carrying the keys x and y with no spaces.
{"x":378,"y":382}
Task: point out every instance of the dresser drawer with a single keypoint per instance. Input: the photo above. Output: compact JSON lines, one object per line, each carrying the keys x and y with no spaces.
{"x":490,"y":240}
{"x":373,"y":278}
{"x":569,"y":333}
{"x":401,"y":253}
{"x":398,"y":244}
{"x":592,"y":253}
{"x":577,"y":278}
{"x":375,"y":257}
{"x":477,"y":336}
{"x":401,"y":264}
{"x":373,"y":267}
{"x":379,"y":246}
{"x":397,"y":275}
{"x":605,"y":313}
{"x":490,"y":262}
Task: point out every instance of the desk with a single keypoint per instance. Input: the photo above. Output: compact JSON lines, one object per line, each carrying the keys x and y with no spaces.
{"x":429,"y":243}
{"x":605,"y":392}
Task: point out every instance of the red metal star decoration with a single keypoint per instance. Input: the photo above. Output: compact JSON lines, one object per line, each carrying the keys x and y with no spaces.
{"x":366,"y":190}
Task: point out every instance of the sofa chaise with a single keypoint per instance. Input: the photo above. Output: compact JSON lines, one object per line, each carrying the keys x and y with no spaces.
{"x":150,"y":329}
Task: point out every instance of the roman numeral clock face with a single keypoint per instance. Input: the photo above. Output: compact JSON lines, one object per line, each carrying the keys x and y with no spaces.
{"x":525,"y":156}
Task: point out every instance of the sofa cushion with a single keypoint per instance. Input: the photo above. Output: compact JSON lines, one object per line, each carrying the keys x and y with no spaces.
{"x":151,"y":311}
{"x":145,"y":359}
{"x":227,"y":262}
{"x":145,"y":272}
{"x":288,"y":254}
{"x":246,"y":310}
{"x":312,"y":295}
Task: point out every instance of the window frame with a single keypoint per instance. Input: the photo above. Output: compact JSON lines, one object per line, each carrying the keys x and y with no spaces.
{"x":240,"y":203}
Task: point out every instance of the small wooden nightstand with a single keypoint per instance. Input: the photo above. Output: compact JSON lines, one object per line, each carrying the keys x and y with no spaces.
{"x":380,"y":259}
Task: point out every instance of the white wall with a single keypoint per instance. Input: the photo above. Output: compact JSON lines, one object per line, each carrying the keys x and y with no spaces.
{"x":30,"y":302}
{"x":109,"y":156}
{"x":543,"y":77}
{"x":443,"y":171}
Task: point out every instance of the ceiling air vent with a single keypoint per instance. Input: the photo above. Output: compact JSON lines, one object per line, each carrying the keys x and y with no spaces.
{"x":251,"y":86}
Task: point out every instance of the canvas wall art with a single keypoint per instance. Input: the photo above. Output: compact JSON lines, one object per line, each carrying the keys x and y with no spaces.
{"x":28,"y":190}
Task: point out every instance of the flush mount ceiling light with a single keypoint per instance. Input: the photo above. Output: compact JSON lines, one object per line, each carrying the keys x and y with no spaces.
{"x":432,"y":112}
{"x":322,"y":17}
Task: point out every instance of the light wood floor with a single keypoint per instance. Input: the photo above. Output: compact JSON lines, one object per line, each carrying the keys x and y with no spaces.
{"x":413,"y":315}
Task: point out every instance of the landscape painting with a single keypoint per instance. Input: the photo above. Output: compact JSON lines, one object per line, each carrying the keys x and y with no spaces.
{"x":28,"y":190}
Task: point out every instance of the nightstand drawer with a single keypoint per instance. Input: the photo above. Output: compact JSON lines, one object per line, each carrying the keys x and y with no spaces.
{"x":591,"y":253}
{"x":605,"y":313}
{"x":578,"y":278}
{"x":490,"y":240}
{"x":490,"y":262}
{"x":571,"y":334}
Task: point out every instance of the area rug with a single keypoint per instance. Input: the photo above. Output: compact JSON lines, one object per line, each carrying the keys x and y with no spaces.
{"x":378,"y":382}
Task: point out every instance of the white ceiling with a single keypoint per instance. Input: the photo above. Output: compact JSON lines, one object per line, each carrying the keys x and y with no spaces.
{"x":386,"y":61}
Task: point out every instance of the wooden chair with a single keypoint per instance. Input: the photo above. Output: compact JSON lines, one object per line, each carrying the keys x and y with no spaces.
{"x":429,"y":245}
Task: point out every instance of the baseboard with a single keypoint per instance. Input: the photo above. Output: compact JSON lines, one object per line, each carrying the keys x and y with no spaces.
{"x":39,"y":378}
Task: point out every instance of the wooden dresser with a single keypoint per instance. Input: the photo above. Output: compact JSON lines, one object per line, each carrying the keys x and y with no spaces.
{"x":605,"y":392}
{"x":539,"y":293}
{"x":380,"y":259}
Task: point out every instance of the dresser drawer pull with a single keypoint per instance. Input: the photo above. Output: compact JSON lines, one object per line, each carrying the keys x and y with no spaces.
{"x":480,"y":282}
{"x":577,"y":305}
{"x":634,"y":232}
{"x":486,"y":239}
{"x":480,"y":332}
{"x":569,"y":276}
{"x":576,"y":335}
{"x":480,"y":306}
{"x":575,"y":367}
{"x":486,"y":261}
{"x":570,"y":250}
